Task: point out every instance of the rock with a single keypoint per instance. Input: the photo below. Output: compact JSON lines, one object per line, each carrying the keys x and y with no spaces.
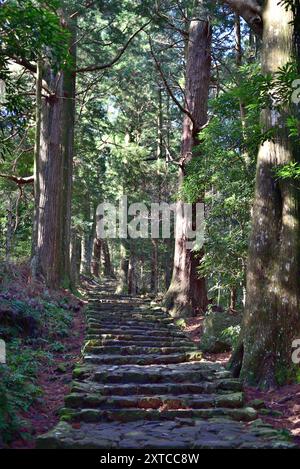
{"x":257,"y":404}
{"x":219,"y":330}
{"x":271,"y":412}
{"x":61,"y":368}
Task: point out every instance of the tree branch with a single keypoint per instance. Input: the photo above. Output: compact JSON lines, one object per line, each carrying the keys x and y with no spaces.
{"x":84,"y":7}
{"x":95,"y":68}
{"x":21,"y":181}
{"x":167,"y":86}
{"x":250,"y":11}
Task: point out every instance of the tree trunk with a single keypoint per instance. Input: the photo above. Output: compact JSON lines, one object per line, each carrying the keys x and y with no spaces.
{"x":50,"y":170}
{"x":132,"y":284}
{"x":272,"y":319}
{"x":75,"y":258}
{"x":97,"y":255}
{"x":154,"y":267}
{"x":108,"y":268}
{"x":69,"y":110}
{"x":9,"y":231}
{"x":87,"y":237}
{"x":160,"y":123}
{"x":122,"y":286}
{"x":37,"y":149}
{"x":233,"y":299}
{"x":188,"y":291}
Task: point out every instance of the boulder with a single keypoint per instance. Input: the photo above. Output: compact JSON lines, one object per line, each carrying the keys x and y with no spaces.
{"x":220,"y":331}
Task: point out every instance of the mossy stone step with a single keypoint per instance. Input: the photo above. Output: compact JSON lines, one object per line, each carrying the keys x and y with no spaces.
{"x":167,"y":402}
{"x":139,"y":332}
{"x":216,"y":386}
{"x":145,"y":343}
{"x":194,"y":434}
{"x":135,"y":350}
{"x":156,"y":374}
{"x":142,"y":359}
{"x":130,"y":337}
{"x":128,"y":326}
{"x":138,"y":321}
{"x":245,"y":414}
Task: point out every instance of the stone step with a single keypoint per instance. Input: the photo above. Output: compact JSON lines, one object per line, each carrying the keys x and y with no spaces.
{"x":141,"y":331}
{"x":143,"y":326}
{"x":142,"y":384}
{"x":180,"y":373}
{"x":142,"y":359}
{"x":163,"y":403}
{"x":131,"y":322}
{"x":216,"y":386}
{"x":245,"y":414}
{"x":130,"y":337}
{"x":137,"y":316}
{"x":145,"y":343}
{"x":137,"y":350}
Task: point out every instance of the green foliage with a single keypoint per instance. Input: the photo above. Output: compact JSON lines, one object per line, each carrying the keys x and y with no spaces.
{"x":26,"y":355}
{"x":224,"y":173}
{"x":18,"y":389}
{"x":231,"y":335}
{"x":290,"y":171}
{"x":30,"y":28}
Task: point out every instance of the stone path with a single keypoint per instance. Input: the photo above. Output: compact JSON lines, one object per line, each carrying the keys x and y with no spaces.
{"x":143,"y":384}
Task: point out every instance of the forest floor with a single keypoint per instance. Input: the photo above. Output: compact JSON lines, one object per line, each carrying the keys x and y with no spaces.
{"x":54,"y":381}
{"x":44,"y":331}
{"x":281,"y":405}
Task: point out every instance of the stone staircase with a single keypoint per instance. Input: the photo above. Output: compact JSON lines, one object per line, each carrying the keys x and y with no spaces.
{"x":143,"y":384}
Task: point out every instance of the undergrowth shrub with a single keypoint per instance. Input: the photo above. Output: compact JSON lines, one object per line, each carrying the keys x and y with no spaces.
{"x":33,"y":320}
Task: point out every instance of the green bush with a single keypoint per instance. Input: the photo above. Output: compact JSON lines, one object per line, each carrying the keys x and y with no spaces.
{"x":25,"y":354}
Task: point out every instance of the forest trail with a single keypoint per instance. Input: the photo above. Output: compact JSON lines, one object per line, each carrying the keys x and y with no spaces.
{"x":143,"y":384}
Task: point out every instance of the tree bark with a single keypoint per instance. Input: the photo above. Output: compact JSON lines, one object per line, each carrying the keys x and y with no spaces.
{"x":132,"y":283}
{"x":108,"y":268}
{"x":233,"y":299}
{"x":154,"y":267}
{"x":250,"y":11}
{"x":75,"y":257}
{"x":50,"y":170}
{"x":272,"y":319}
{"x":188,"y":291}
{"x":9,"y":231}
{"x":122,"y":286}
{"x":53,"y":173}
{"x":97,"y":257}
{"x":69,"y":110}
{"x":37,"y":149}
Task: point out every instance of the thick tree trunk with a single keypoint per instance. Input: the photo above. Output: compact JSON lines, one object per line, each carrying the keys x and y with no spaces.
{"x":37,"y":149}
{"x":50,"y":169}
{"x":69,"y":111}
{"x":188,"y":291}
{"x":272,"y":318}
